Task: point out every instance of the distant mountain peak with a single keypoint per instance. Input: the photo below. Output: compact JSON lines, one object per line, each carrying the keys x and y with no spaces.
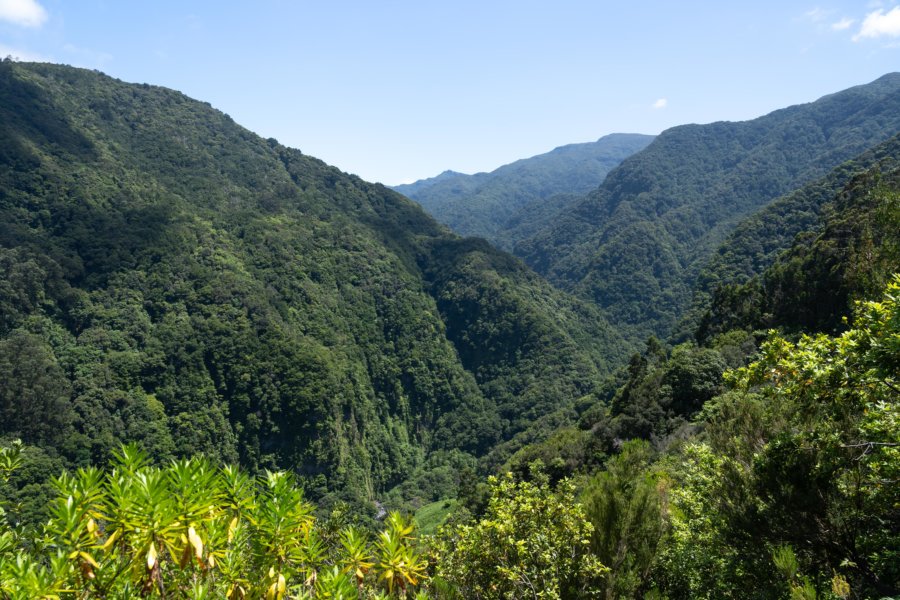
{"x":508,"y":202}
{"x":636,"y":244}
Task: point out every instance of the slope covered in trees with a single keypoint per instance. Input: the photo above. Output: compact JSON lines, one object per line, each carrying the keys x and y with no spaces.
{"x":760,"y":465}
{"x":515,"y":200}
{"x":636,"y":245}
{"x":847,"y":254}
{"x":167,"y":277}
{"x":787,"y":491}
{"x":758,"y":240}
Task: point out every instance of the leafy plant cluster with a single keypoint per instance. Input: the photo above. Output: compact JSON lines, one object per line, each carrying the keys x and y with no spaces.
{"x":192,"y":530}
{"x":779,"y":481}
{"x":530,"y":543}
{"x":799,"y":459}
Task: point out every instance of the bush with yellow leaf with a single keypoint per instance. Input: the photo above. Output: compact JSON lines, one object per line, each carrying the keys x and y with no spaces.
{"x":191,"y":530}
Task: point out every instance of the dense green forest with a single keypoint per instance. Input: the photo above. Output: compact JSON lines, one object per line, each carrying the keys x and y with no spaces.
{"x":171,"y":279}
{"x":848,"y":253}
{"x":753,"y":464}
{"x":787,"y":489}
{"x":224,"y":364}
{"x":513,"y":202}
{"x":636,"y":245}
{"x":758,"y":240}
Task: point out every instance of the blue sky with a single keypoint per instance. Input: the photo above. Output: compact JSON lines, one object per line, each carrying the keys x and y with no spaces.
{"x":396,"y":91}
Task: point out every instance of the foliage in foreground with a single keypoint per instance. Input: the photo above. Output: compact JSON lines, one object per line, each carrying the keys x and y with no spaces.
{"x":532,"y":543}
{"x":625,"y":504}
{"x":779,"y":480}
{"x":190,"y":530}
{"x":193,"y":531}
{"x":800,"y":470}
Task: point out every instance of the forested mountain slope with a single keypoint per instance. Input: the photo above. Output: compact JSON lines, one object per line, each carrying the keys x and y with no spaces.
{"x":636,"y":244}
{"x":752,"y":464}
{"x":170,"y":278}
{"x":847,"y":254}
{"x":515,"y":200}
{"x":757,"y":242}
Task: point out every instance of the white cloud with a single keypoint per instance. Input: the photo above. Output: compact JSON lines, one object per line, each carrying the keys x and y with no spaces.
{"x":661,"y":103}
{"x":879,"y":24}
{"x":843,"y":24}
{"x":18,"y":54}
{"x":27,"y":13}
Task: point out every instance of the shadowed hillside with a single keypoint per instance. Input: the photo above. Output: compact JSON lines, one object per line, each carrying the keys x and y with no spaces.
{"x":170,"y":278}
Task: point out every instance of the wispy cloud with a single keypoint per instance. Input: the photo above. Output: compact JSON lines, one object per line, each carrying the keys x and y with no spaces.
{"x":843,"y":24}
{"x":85,"y":57}
{"x":818,"y":14}
{"x":880,"y":24}
{"x":661,"y":103}
{"x":19,"y":54}
{"x":25,"y":13}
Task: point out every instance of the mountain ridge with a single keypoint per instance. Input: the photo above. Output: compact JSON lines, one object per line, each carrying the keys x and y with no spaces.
{"x":495,"y":204}
{"x":175,"y":280}
{"x":635,"y":245}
